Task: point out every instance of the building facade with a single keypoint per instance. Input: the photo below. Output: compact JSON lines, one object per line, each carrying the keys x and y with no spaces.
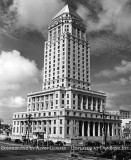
{"x":126,"y":127}
{"x":124,"y":114}
{"x":66,"y":107}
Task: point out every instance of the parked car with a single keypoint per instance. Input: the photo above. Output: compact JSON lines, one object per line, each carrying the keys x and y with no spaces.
{"x":8,"y":139}
{"x":116,"y":143}
{"x":47,"y":143}
{"x":90,"y":143}
{"x":18,"y":141}
{"x":60,"y":143}
{"x":97,"y":143}
{"x":128,"y":142}
{"x":50,"y":143}
{"x":26,"y":141}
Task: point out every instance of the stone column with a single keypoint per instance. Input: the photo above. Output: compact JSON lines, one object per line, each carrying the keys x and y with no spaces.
{"x":47,"y":128}
{"x":101,"y":107}
{"x":20,"y":127}
{"x":93,"y":129}
{"x":33,"y":125}
{"x":24,"y":127}
{"x":82,"y":103}
{"x":108,"y":129}
{"x":77,"y":128}
{"x":76,"y":99}
{"x":71,"y":129}
{"x":82,"y":128}
{"x":88,"y":128}
{"x":96,"y":104}
{"x":42,"y":125}
{"x":116,"y":129}
{"x":87,"y":103}
{"x":91,"y":103}
{"x":98,"y":128}
{"x":37,"y":128}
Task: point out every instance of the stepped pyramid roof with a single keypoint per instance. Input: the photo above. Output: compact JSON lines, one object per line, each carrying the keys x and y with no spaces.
{"x":67,"y":9}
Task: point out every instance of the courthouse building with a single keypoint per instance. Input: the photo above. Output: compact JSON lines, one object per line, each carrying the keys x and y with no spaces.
{"x":66,"y":107}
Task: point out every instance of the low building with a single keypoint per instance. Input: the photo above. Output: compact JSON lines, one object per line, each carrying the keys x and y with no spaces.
{"x":5,"y":129}
{"x":126,"y":128}
{"x":124,"y":114}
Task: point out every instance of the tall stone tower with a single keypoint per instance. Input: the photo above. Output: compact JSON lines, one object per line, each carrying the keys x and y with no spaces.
{"x":66,"y":55}
{"x":66,"y":107}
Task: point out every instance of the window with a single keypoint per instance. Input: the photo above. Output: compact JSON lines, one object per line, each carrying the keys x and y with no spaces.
{"x":60,"y":130}
{"x":56,"y":101}
{"x":51,"y":103}
{"x":14,"y":129}
{"x":62,"y":95}
{"x":49,"y":130}
{"x":62,"y":101}
{"x":22,"y":130}
{"x":17,"y":129}
{"x":60,"y":121}
{"x":54,"y":130}
{"x":54,"y":121}
{"x":67,"y":113}
{"x":68,"y":130}
{"x":68,"y":121}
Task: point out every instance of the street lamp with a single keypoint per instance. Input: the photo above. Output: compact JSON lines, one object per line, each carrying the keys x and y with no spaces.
{"x":28,"y":123}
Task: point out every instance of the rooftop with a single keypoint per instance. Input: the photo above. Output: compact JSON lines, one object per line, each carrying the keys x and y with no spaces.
{"x":67,"y":9}
{"x":122,"y":110}
{"x":69,"y":88}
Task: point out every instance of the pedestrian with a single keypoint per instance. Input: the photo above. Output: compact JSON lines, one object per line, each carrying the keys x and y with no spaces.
{"x":114,"y":157}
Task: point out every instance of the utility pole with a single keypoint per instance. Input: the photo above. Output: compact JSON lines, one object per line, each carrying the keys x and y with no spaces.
{"x":28,"y":122}
{"x":104,"y":124}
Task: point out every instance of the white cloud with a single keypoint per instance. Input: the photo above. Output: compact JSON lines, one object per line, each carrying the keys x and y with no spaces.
{"x":123,"y":69}
{"x":12,"y":102}
{"x":121,"y":81}
{"x":82,"y":11}
{"x":16,"y":71}
{"x":104,"y":73}
{"x":35,"y":14}
{"x":115,"y":16}
{"x":109,"y":101}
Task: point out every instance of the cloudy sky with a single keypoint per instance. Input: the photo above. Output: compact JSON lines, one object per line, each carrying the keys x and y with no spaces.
{"x":23,"y":31}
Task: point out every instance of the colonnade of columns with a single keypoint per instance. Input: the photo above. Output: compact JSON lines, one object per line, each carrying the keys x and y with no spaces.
{"x":34,"y":125}
{"x":77,"y":128}
{"x":89,"y":103}
{"x":91,"y":128}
